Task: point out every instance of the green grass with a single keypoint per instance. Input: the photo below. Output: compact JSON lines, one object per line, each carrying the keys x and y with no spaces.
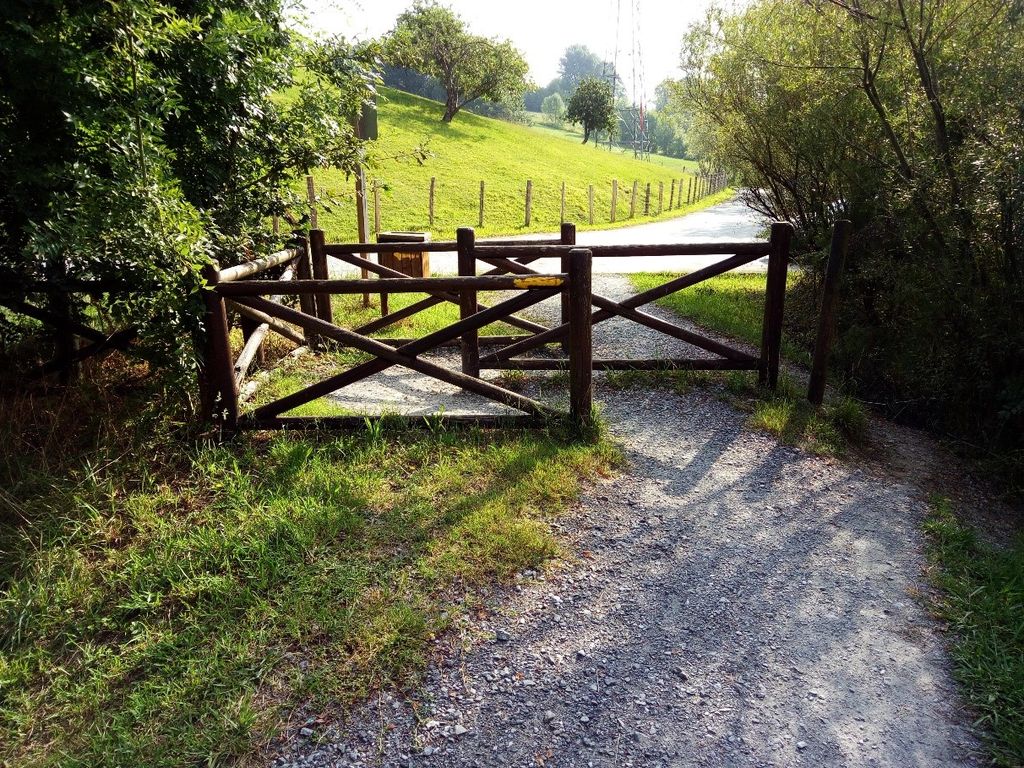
{"x":504,"y":155}
{"x":982,"y":600}
{"x":731,"y":304}
{"x":173,"y":602}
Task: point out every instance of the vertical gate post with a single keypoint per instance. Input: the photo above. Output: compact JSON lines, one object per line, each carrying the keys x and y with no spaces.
{"x":219,"y":390}
{"x":465,"y":239}
{"x":318,"y":256}
{"x":581,"y":363}
{"x":774,"y":300}
{"x":568,"y":237}
{"x":827,"y":318}
{"x":307,"y":301}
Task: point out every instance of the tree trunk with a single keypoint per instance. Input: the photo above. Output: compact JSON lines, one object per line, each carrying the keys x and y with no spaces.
{"x":451,"y":106}
{"x":586,"y":134}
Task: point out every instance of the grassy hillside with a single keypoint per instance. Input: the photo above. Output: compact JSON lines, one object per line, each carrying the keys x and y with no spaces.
{"x":474,"y":148}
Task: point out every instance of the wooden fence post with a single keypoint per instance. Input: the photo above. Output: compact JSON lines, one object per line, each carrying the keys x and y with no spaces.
{"x":430,"y":215}
{"x":647,"y":199}
{"x":774,"y":301}
{"x":307,"y":301}
{"x":689,"y":190}
{"x":561,"y":214}
{"x":827,"y":319}
{"x":615,"y":199}
{"x":217,"y":376}
{"x":590,"y":197}
{"x":529,"y":200}
{"x":661,"y":196}
{"x":465,"y":240}
{"x":672,"y":196}
{"x":362,"y":223}
{"x":480,"y":218}
{"x":581,"y":374}
{"x":632,"y":199}
{"x":567,"y":237}
{"x":318,"y":256}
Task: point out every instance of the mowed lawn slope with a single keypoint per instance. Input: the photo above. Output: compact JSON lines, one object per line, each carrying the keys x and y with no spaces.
{"x":504,"y":156}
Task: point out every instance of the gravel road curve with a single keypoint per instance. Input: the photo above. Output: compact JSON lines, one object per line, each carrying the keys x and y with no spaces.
{"x":725,"y":601}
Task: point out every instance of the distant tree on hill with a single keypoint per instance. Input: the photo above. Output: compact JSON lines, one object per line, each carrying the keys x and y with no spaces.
{"x":592,"y":107}
{"x":576,"y":65}
{"x":434,"y":40}
{"x":553,"y":108}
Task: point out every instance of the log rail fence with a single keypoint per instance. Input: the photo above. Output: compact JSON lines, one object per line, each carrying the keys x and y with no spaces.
{"x":245,"y":289}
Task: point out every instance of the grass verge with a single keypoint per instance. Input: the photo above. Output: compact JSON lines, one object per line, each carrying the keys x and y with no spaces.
{"x":173,"y":602}
{"x":731,"y":304}
{"x":982,"y":600}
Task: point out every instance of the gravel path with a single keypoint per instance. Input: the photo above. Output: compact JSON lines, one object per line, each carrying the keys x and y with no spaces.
{"x":727,"y":601}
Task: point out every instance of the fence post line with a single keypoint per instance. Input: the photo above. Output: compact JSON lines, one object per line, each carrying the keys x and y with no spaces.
{"x":615,"y":199}
{"x":480,"y":218}
{"x":581,"y":364}
{"x":632,"y":199}
{"x":465,"y":240}
{"x":561,"y":215}
{"x":590,"y":197}
{"x":529,"y":200}
{"x":774,"y":301}
{"x":217,"y":377}
{"x":827,"y":318}
{"x":567,"y":237}
{"x":661,"y":196}
{"x":647,"y":199}
{"x":672,"y":196}
{"x":318,"y":255}
{"x":430,"y":215}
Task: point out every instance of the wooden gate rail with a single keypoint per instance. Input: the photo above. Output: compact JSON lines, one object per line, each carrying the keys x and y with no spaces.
{"x":69,"y":353}
{"x":776,"y":249}
{"x":347,"y":252}
{"x":247,"y":295}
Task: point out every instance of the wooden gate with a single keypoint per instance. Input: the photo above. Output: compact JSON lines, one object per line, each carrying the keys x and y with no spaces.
{"x":259,"y":301}
{"x":512,"y":259}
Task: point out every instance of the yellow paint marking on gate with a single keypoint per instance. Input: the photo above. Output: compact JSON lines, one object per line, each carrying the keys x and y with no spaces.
{"x":538,"y":282}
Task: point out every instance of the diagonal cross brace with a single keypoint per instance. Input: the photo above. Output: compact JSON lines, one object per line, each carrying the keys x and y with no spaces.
{"x":609,"y":308}
{"x":405,"y":355}
{"x":432,"y":300}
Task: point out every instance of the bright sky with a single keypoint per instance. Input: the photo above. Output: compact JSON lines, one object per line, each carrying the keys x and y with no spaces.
{"x":542,"y":29}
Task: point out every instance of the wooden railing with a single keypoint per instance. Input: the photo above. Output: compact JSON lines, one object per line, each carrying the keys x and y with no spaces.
{"x":258,"y":301}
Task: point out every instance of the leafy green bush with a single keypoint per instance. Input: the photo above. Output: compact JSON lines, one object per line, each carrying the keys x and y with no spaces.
{"x":904,"y":119}
{"x":140,"y":140}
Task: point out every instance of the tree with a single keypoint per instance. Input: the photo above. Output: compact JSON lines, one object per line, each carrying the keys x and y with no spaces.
{"x":591,"y":105}
{"x":157,"y":143}
{"x":554,"y":108}
{"x":434,"y":40}
{"x":904,"y":118}
{"x":577,"y":64}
